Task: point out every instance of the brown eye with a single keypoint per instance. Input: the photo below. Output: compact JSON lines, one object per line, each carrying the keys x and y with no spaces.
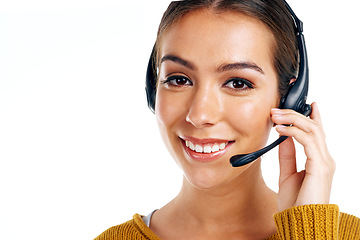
{"x":177,"y":81}
{"x":238,"y":84}
{"x":181,"y":81}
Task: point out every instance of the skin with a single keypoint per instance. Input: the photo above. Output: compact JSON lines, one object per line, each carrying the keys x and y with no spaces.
{"x":217,"y":201}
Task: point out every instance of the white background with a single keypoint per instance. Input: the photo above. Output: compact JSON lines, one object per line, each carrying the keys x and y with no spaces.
{"x":79,"y":149}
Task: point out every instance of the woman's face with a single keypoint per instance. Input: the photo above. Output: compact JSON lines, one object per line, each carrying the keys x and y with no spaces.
{"x":216,"y":86}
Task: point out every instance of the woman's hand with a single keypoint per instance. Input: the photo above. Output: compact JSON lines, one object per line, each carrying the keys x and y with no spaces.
{"x":312,"y":185}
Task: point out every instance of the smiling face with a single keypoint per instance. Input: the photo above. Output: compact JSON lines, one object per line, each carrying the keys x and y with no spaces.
{"x":216,"y":86}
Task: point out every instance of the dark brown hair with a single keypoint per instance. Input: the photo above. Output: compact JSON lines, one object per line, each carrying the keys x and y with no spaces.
{"x":273,"y":13}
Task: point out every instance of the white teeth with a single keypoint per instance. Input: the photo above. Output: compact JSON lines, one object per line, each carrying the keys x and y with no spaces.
{"x":198,"y":148}
{"x":205,"y":149}
{"x":191,"y":146}
{"x":222,"y":146}
{"x":215,"y":148}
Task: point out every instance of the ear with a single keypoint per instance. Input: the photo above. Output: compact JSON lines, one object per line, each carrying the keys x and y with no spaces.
{"x":292,"y":80}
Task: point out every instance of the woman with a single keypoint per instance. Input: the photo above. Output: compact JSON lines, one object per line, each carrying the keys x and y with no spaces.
{"x":222,"y":68}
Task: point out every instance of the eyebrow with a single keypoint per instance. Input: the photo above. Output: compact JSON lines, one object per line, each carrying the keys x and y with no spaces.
{"x":240,"y":65}
{"x":222,"y":68}
{"x":179,"y":60}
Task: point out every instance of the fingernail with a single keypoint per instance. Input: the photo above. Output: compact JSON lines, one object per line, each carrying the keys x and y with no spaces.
{"x":280,"y":127}
{"x":276,"y":112}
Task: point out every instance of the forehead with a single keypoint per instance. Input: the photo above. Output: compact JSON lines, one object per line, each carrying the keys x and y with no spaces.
{"x":205,"y":35}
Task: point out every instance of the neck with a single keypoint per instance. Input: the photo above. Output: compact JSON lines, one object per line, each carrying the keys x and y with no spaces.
{"x":242,"y":198}
{"x":244,"y":202}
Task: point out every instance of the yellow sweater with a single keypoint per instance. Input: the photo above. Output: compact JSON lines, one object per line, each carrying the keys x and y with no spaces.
{"x":299,"y":223}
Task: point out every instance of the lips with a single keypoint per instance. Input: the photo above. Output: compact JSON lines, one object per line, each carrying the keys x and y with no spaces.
{"x":205,"y":149}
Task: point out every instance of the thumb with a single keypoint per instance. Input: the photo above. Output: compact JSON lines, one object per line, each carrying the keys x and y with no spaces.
{"x":287,"y":159}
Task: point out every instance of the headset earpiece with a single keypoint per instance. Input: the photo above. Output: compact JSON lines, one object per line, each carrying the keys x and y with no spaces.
{"x":296,"y":96}
{"x":151,"y":78}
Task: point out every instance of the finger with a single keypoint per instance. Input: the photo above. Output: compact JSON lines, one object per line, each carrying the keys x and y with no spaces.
{"x":290,"y":117}
{"x":307,"y":131}
{"x":315,"y":115}
{"x":312,"y":126}
{"x":315,"y":158}
{"x":287,"y":159}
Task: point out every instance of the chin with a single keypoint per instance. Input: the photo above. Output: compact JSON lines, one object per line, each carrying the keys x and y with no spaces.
{"x":214,"y":177}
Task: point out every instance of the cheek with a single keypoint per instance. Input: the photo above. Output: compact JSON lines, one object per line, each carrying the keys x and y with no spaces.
{"x":170,"y":114}
{"x":251,"y":116}
{"x":251,"y":119}
{"x":167,"y":110}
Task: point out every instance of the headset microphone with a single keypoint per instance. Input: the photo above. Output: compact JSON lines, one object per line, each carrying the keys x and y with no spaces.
{"x":294,"y":99}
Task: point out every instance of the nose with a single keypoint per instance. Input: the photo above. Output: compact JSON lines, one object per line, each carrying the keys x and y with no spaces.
{"x":206,"y":108}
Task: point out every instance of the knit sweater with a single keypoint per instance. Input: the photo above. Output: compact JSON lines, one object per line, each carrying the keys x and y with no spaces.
{"x":298,"y":223}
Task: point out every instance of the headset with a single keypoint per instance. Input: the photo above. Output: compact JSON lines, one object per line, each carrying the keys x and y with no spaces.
{"x":295,"y":97}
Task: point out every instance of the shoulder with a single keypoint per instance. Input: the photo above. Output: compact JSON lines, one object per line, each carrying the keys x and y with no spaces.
{"x":316,"y":221}
{"x":122,"y":231}
{"x":349,"y":227}
{"x":133,"y":229}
